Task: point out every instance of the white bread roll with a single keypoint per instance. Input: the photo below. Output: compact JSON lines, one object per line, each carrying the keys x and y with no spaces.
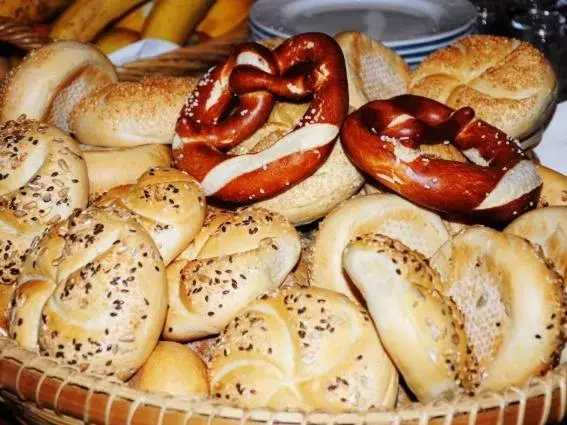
{"x":510,"y":84}
{"x":554,"y":190}
{"x":50,"y":82}
{"x":303,"y":349}
{"x":93,"y":294}
{"x":109,"y":168}
{"x":128,"y":114}
{"x":419,"y":328}
{"x":172,"y":369}
{"x":235,"y":259}
{"x":513,"y":304}
{"x":168,"y":203}
{"x":389,"y":215}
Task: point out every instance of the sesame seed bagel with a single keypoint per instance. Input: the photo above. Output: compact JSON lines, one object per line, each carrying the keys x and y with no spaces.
{"x":50,"y":82}
{"x":510,"y":84}
{"x":419,"y":327}
{"x":235,"y":259}
{"x":168,"y":203}
{"x":385,"y":214}
{"x":43,"y":178}
{"x":128,"y":114}
{"x":554,"y":189}
{"x":512,"y":302}
{"x":303,"y":349}
{"x":92,"y":293}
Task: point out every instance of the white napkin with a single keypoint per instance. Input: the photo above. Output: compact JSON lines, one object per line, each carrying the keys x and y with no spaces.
{"x":142,"y":49}
{"x":552,"y":150}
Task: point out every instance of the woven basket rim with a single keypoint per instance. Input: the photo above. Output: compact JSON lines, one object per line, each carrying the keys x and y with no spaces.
{"x":10,"y":351}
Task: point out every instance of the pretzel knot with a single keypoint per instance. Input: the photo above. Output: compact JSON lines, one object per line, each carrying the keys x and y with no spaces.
{"x":307,"y":65}
{"x":382,"y":138}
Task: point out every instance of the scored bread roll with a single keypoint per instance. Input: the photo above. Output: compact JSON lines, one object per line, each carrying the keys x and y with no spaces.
{"x":50,"y":82}
{"x":173,"y":369}
{"x":92,"y":293}
{"x":303,"y":349}
{"x":385,"y":214}
{"x":109,"y":168}
{"x":234,"y":259}
{"x":512,"y":301}
{"x":168,"y":203}
{"x":127,"y":114}
{"x":510,"y":84}
{"x":554,"y":189}
{"x":420,"y":328}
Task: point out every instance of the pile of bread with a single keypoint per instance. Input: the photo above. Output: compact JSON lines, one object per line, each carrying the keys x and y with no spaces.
{"x":334,"y":295}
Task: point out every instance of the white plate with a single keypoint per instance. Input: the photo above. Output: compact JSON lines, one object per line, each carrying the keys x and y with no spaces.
{"x":552,"y":150}
{"x":397,"y":23}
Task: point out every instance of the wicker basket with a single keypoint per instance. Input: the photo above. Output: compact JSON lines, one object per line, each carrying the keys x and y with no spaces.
{"x":192,"y":60}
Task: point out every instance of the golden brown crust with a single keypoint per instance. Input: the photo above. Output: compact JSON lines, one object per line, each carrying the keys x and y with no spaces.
{"x":554,"y":190}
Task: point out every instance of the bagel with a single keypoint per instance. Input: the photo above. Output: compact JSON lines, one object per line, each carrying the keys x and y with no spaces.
{"x":512,"y":301}
{"x":389,"y":215}
{"x":128,"y":114}
{"x":52,"y":80}
{"x":235,"y":258}
{"x":307,"y":349}
{"x":554,"y":189}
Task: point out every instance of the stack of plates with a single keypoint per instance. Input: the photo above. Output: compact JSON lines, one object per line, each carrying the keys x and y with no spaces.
{"x":414,"y":28}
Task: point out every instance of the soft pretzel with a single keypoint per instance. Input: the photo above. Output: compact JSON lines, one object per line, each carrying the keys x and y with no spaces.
{"x":52,"y":80}
{"x":234,"y":259}
{"x":389,"y":215}
{"x":92,"y":293}
{"x":257,"y":74}
{"x":382,"y":138}
{"x":512,"y":301}
{"x":168,"y":203}
{"x":303,"y":349}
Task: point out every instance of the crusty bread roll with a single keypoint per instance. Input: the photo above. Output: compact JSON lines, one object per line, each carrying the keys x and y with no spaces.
{"x":554,"y":190}
{"x":513,"y":304}
{"x":129,"y":114}
{"x":419,"y":327}
{"x":389,"y":215}
{"x":510,"y":84}
{"x":92,"y":293}
{"x":43,"y":178}
{"x":374,"y":71}
{"x":109,"y":168}
{"x":303,"y":349}
{"x":168,"y":203}
{"x":173,"y":369}
{"x":50,"y":82}
{"x":240,"y":257}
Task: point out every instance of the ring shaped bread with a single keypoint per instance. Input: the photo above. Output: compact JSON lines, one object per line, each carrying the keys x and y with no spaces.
{"x":235,"y":258}
{"x":385,"y":214}
{"x":554,"y":189}
{"x":419,"y":328}
{"x":128,"y":114}
{"x":92,"y":293}
{"x":50,"y":82}
{"x":303,"y":349}
{"x":168,"y":203}
{"x":43,"y":178}
{"x":512,"y":302}
{"x":510,"y":84}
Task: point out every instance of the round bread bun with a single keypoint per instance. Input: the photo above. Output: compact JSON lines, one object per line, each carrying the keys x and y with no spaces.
{"x":510,"y":84}
{"x":512,"y":302}
{"x":173,"y":369}
{"x":52,"y":80}
{"x":303,"y":349}
{"x":43,"y":178}
{"x":92,"y":294}
{"x":109,"y":168}
{"x":374,"y":71}
{"x":554,"y":190}
{"x":128,"y":114}
{"x":389,"y":215}
{"x":168,"y":203}
{"x":234,"y":259}
{"x":420,"y":328}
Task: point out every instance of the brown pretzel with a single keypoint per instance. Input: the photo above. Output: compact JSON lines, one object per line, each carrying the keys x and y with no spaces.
{"x":382,"y":138}
{"x":310,"y":64}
